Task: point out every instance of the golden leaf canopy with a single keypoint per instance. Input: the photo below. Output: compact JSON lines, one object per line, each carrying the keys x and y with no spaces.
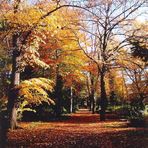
{"x":35,"y":90}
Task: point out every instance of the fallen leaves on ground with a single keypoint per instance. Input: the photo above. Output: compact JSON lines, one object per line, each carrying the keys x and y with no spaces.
{"x":81,"y":130}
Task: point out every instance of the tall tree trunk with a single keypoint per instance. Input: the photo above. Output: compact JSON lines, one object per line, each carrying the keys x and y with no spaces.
{"x":89,"y":96}
{"x":58,"y":95}
{"x":12,"y":103}
{"x":15,"y":80}
{"x":58,"y":87}
{"x":92,"y":102}
{"x":103,"y":97}
{"x":92,"y":93}
{"x":71,"y":99}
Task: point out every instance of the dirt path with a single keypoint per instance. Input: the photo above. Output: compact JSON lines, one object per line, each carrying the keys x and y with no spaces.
{"x":83,"y":116}
{"x":81,"y":130}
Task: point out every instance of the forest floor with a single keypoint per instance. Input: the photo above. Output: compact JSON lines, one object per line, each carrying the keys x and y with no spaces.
{"x":80,"y":130}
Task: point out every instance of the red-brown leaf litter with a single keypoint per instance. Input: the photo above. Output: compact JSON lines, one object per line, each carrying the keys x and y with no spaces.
{"x":80,"y":130}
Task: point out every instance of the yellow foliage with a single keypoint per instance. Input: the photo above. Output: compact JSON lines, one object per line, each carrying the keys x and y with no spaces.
{"x":34,"y":91}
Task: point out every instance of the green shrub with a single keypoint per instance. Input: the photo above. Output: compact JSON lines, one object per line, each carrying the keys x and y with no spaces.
{"x":122,"y":111}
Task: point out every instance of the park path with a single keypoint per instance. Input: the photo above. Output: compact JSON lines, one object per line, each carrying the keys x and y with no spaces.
{"x":80,"y":130}
{"x":83,"y":116}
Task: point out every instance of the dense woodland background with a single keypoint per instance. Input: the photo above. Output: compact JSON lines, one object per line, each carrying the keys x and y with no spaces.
{"x":59,"y":56}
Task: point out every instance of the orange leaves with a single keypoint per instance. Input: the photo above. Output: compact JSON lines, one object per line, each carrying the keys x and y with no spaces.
{"x":61,"y":48}
{"x":91,"y":67}
{"x":73,"y":78}
{"x":69,"y":79}
{"x":80,"y":130}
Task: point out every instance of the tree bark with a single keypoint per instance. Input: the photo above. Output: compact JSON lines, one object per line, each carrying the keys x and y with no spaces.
{"x":92,"y":94}
{"x":89,"y":95}
{"x":15,"y":80}
{"x":71,"y":100}
{"x":92,"y":102}
{"x":58,"y":95}
{"x":103,"y":100}
{"x":58,"y":86}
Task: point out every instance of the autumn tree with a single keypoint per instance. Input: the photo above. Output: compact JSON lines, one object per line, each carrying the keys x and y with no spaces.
{"x":14,"y":34}
{"x":91,"y":83}
{"x":137,"y":76}
{"x":24,"y":32}
{"x":108,"y":20}
{"x":138,"y":40}
{"x":62,"y":52}
{"x":136,"y":80}
{"x":25,"y":28}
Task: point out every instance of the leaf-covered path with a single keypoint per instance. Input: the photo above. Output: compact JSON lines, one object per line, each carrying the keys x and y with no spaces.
{"x":80,"y":130}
